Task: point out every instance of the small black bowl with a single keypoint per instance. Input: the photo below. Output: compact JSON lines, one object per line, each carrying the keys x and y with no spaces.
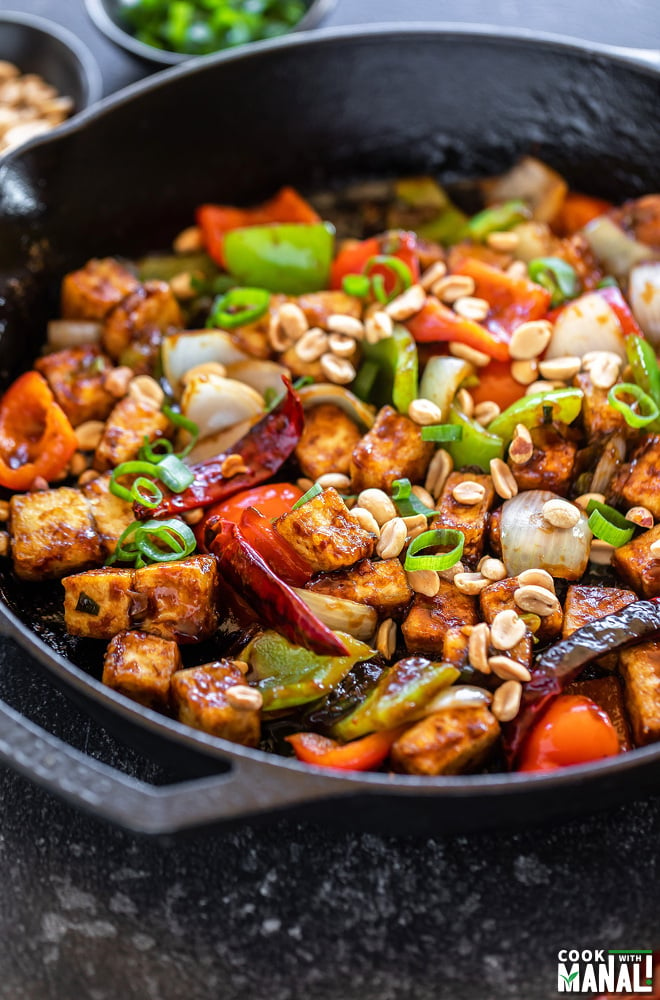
{"x":39,"y":46}
{"x":105,"y":15}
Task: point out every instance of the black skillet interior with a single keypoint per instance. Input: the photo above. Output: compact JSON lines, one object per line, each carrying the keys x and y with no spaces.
{"x":316,"y":113}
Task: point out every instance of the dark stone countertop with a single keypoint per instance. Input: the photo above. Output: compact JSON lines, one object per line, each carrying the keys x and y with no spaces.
{"x":284,"y":910}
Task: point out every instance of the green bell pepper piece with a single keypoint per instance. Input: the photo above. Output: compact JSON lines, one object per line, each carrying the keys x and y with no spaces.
{"x":293,"y":258}
{"x":290,"y":675}
{"x":400,"y":696}
{"x":496,"y":219}
{"x":164,"y":267}
{"x":477,"y":446}
{"x":644,"y":364}
{"x":397,"y":362}
{"x":557,"y":276}
{"x":425,"y":193}
{"x":566,"y":405}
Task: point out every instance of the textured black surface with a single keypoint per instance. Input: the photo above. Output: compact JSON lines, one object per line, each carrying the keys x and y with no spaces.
{"x":285,"y":911}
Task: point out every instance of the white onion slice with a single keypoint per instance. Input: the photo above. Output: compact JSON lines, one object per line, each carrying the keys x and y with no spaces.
{"x":441,"y":380}
{"x":613,"y":247}
{"x":216,"y":444}
{"x":530,"y":542}
{"x":614,"y":453}
{"x":587,"y":324}
{"x":182,"y":351}
{"x":338,"y":395}
{"x":215,"y":403}
{"x":260,"y":375}
{"x":459,"y":696}
{"x":341,"y":615}
{"x":644,"y":295}
{"x":63,"y":333}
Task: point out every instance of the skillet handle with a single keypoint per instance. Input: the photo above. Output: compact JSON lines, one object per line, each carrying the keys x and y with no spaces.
{"x":249,"y":788}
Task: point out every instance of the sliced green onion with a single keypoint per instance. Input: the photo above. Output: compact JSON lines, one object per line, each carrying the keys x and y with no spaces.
{"x":407,"y":503}
{"x":154,"y":541}
{"x":496,"y":219}
{"x":647,"y":412}
{"x":393,"y":266}
{"x":357,"y":285}
{"x":609,"y":524}
{"x":608,"y":282}
{"x":238,"y":307}
{"x":145,"y":492}
{"x":440,"y":560}
{"x":155,"y":452}
{"x":557,"y":276}
{"x":312,"y":492}
{"x":442,"y":432}
{"x":175,"y":474}
{"x":184,"y":423}
{"x":134,"y":468}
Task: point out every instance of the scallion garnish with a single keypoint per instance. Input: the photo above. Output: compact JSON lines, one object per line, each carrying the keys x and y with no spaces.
{"x":496,"y":219}
{"x":442,"y":432}
{"x":176,"y":475}
{"x":184,"y":423}
{"x":393,"y":267}
{"x":154,"y":541}
{"x":238,"y":307}
{"x":170,"y":470}
{"x":406,"y":502}
{"x":357,"y":285}
{"x":557,"y":276}
{"x":609,"y":524}
{"x":145,"y":492}
{"x":438,"y":561}
{"x":312,"y":492}
{"x":647,"y":409}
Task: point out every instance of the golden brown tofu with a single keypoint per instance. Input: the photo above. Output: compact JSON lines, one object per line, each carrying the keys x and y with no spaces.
{"x":98,"y":603}
{"x":608,"y":694}
{"x":453,"y":741}
{"x":382,"y":585}
{"x":640,"y":670}
{"x":495,"y":532}
{"x":323,"y":531}
{"x":179,"y":598}
{"x":111,"y":514}
{"x":430,"y":618}
{"x":471,"y":519}
{"x":638,"y":482}
{"x":498,"y":597}
{"x":95,"y":289}
{"x":327,"y":441}
{"x":637,"y":566}
{"x":141,"y":666}
{"x":126,"y":428}
{"x":585,"y":604}
{"x":318,"y":306}
{"x":598,"y":417}
{"x":392,"y":449}
{"x":198,"y":695}
{"x":140,"y":320}
{"x":551,"y":464}
{"x":53,"y":534}
{"x":75,"y":377}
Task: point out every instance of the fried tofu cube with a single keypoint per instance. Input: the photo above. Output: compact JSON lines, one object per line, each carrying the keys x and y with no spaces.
{"x":584,"y":604}
{"x":498,"y":597}
{"x":127,"y":426}
{"x":180,"y":598}
{"x":141,"y":319}
{"x":453,"y":741}
{"x":98,"y":603}
{"x":551,"y":464}
{"x":111,"y":514}
{"x":141,"y":666}
{"x":198,"y":695}
{"x":382,"y":585}
{"x":471,"y":519}
{"x":53,"y":533}
{"x":640,"y":670}
{"x":430,"y":618}
{"x":327,"y":441}
{"x":638,"y":482}
{"x":95,"y":289}
{"x":598,"y":417}
{"x":325,"y":534}
{"x":608,"y":694}
{"x":636,"y":565}
{"x":318,"y":306}
{"x":75,"y":377}
{"x":392,"y":449}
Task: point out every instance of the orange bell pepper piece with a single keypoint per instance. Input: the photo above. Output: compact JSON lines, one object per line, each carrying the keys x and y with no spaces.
{"x":512,"y":300}
{"x":576,"y":211}
{"x":36,"y":438}
{"x":497,"y":384}
{"x":217,"y":220}
{"x":573,"y":730}
{"x":358,"y":755}
{"x":437,"y":322}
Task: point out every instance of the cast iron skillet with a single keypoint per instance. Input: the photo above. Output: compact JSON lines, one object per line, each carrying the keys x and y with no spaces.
{"x":312,"y":111}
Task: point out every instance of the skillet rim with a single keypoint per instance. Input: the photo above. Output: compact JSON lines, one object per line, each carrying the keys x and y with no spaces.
{"x":70,"y":675}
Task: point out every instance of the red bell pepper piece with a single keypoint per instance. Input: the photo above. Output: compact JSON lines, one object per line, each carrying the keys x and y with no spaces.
{"x":496,"y":383}
{"x":282,"y":558}
{"x":36,"y":438}
{"x":573,"y":730}
{"x":217,"y":220}
{"x":564,"y":661}
{"x":275,"y":603}
{"x":436,"y":322}
{"x":359,"y":755}
{"x":576,"y":211}
{"x":353,"y":258}
{"x":512,"y":300}
{"x":263,"y":449}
